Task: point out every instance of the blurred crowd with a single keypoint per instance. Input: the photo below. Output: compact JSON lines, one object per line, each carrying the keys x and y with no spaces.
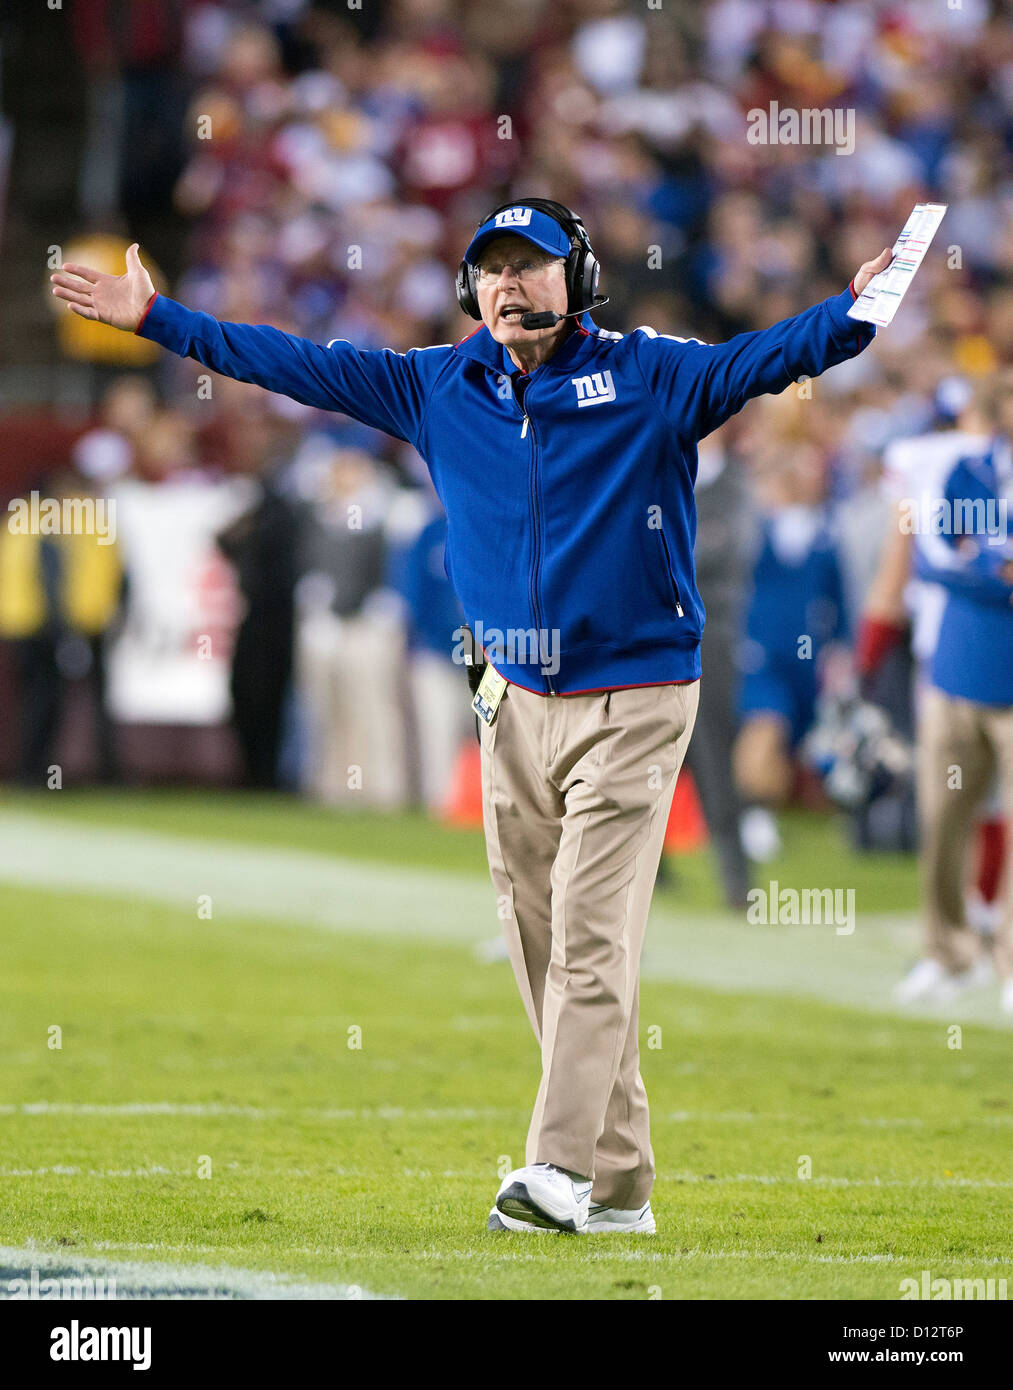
{"x":330,"y":163}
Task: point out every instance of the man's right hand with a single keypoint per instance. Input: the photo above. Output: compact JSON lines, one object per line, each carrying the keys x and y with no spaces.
{"x":119,"y":300}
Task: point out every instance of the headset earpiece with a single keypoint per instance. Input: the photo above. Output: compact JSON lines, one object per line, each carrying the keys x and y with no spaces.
{"x":467,"y":295}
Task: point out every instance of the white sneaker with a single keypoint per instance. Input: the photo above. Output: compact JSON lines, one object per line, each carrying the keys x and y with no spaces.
{"x":606,"y":1220}
{"x":1006,"y":997}
{"x":759,"y":835}
{"x":980,"y":974}
{"x":543,"y":1197}
{"x":982,"y":917}
{"x":921,"y":981}
{"x":930,"y":982}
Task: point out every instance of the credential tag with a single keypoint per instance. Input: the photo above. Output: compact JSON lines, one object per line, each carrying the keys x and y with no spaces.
{"x":491,"y":690}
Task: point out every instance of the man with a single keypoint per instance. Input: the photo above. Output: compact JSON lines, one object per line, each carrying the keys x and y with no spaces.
{"x":796,"y":589}
{"x":916,"y":475}
{"x":723,"y":546}
{"x":965,"y":736}
{"x":565,"y":458}
{"x":261,"y":545}
{"x":59,"y":597}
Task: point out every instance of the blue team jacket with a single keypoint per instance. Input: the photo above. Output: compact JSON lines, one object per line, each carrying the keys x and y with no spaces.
{"x":973,"y":658}
{"x":571,"y":518}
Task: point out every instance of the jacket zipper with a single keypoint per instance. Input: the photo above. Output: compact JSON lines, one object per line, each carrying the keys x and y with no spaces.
{"x":671,"y":575}
{"x":535,"y":514}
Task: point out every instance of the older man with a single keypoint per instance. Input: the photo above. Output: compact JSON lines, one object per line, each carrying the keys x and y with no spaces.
{"x":565,"y":457}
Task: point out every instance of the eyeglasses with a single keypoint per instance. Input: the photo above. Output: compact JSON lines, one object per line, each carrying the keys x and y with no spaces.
{"x":490,"y":271}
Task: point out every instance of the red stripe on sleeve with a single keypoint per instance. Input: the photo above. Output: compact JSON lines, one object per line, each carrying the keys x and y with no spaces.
{"x":147,"y":311}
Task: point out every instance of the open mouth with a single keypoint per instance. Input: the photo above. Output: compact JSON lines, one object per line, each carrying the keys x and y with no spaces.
{"x":512,"y":313}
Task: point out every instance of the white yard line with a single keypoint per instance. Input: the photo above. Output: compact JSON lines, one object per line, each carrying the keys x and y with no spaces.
{"x":792,"y":1180}
{"x":157,"y":1279}
{"x":386,"y":1113}
{"x":72,"y":1170}
{"x":593,"y":1249}
{"x":303,"y":889}
{"x":141,"y":1279}
{"x":157,"y":1107}
{"x":282,"y":885}
{"x":253,"y":1112}
{"x":939,"y":1184}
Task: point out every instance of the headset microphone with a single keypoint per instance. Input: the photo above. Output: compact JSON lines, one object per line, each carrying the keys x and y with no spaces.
{"x":548,"y":319}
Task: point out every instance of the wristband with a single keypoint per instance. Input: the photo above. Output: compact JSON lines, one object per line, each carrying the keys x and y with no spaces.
{"x":876,"y":638}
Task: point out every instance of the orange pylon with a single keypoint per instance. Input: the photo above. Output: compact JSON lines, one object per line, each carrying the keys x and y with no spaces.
{"x":463,"y":805}
{"x":687,"y":829}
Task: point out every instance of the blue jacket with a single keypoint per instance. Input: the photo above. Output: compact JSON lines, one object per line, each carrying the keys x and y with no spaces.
{"x":973,"y":659}
{"x":571,"y":519}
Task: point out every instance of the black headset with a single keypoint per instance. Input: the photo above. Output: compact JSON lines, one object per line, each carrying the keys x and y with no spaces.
{"x":582,"y":268}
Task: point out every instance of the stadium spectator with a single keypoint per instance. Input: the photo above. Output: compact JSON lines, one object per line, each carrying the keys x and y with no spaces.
{"x":795,"y":612}
{"x":350,"y":640}
{"x":107,"y":452}
{"x":967,"y":710}
{"x":261,"y":544}
{"x":60,"y":590}
{"x":442,"y":716}
{"x":902,"y":611}
{"x":722,"y":548}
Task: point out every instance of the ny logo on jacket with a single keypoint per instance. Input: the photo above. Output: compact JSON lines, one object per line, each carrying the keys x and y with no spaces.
{"x":594,"y":389}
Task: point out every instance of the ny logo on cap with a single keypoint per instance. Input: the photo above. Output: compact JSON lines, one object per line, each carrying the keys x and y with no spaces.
{"x":513,"y":217}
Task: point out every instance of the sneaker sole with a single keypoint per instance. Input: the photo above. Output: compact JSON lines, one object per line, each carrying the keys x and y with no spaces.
{"x":646,"y":1228}
{"x":608,"y":1228}
{"x":519,"y":1213}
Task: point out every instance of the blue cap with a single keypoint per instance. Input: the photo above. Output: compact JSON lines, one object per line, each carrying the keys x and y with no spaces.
{"x":534,"y":226}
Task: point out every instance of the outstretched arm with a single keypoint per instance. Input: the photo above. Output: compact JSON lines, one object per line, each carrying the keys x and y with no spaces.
{"x":384,"y":389}
{"x":700,"y":385}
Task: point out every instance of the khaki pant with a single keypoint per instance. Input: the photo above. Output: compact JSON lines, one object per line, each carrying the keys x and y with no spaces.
{"x":961,"y":748}
{"x":577,"y":791}
{"x":350,"y":673}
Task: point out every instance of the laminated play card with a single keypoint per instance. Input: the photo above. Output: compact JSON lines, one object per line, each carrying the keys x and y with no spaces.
{"x":881,"y":297}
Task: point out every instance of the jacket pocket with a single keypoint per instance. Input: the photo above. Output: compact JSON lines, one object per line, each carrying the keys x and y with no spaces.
{"x":671,"y":574}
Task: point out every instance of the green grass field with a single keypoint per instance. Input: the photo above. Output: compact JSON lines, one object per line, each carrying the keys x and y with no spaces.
{"x":206,"y":1122}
